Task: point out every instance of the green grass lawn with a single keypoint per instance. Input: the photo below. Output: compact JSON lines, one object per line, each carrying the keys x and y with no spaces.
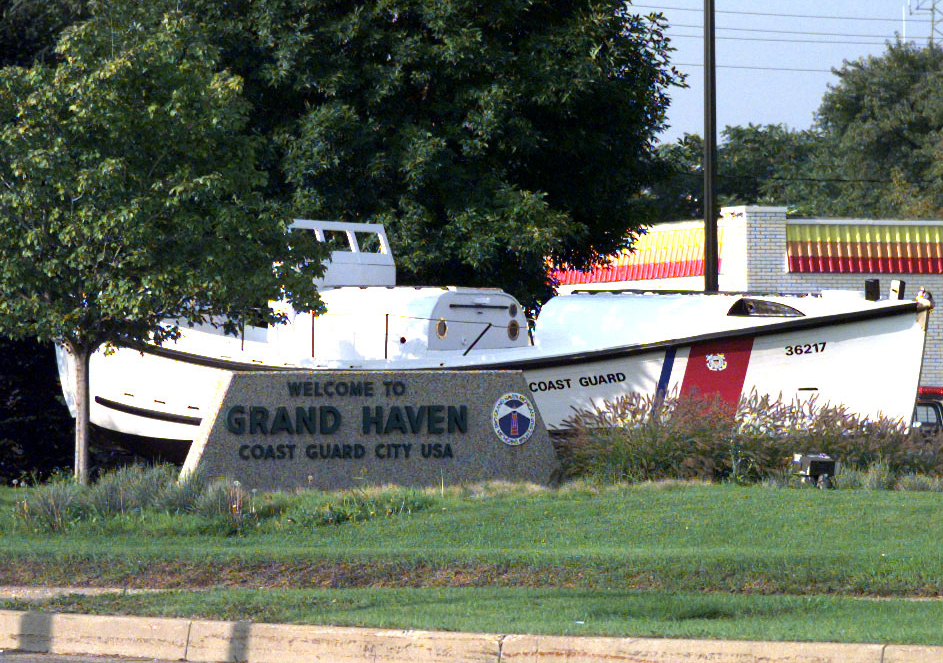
{"x":661,"y":536}
{"x":554,"y":611}
{"x":653,"y":559}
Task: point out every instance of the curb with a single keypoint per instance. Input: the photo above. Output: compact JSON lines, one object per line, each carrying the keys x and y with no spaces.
{"x":205,"y":641}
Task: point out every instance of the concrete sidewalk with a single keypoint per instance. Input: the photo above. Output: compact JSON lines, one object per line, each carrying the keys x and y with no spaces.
{"x":231,"y":642}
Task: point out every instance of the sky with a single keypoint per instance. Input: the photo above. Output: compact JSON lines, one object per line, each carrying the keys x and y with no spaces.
{"x":774,"y":57}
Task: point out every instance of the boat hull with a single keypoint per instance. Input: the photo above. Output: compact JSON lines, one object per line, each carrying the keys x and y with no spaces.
{"x":871,"y":367}
{"x":870,"y":364}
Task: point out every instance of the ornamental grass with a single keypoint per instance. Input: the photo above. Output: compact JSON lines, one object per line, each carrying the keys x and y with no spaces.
{"x":642,"y":438}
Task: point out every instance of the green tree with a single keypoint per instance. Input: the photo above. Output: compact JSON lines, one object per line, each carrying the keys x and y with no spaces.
{"x":486,"y":136}
{"x":879,"y":136}
{"x":758,"y":161}
{"x":129,"y":193}
{"x":32,"y":438}
{"x":29,"y":29}
{"x":679,"y":194}
{"x":755,"y":166}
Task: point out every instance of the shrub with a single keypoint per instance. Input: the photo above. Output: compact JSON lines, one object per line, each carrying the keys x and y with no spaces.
{"x":848,"y":477}
{"x":879,"y":476}
{"x":122,"y":497}
{"x":638,"y":438}
{"x":51,"y":506}
{"x":237,"y":506}
{"x":227,"y":508}
{"x":919,"y":482}
{"x":221,"y":498}
{"x":128,"y":489}
{"x":182,"y":496}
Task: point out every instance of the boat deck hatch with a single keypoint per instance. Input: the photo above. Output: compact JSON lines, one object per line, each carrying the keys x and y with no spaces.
{"x":761,"y":308}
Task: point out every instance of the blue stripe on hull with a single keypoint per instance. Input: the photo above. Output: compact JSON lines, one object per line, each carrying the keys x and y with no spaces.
{"x":665,"y":376}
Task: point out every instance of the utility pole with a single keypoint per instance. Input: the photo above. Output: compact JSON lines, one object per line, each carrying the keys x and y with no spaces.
{"x":710,"y":152}
{"x":935,"y":9}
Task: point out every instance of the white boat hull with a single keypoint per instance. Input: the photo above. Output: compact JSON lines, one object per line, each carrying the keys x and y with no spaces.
{"x":868,"y":362}
{"x":870,"y":367}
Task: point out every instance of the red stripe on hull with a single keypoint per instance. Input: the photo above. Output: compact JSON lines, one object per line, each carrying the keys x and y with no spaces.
{"x":726,"y":383}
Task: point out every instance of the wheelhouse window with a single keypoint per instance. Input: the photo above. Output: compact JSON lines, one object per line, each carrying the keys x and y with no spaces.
{"x":369,"y":242}
{"x":336,"y":240}
{"x":761,"y":308}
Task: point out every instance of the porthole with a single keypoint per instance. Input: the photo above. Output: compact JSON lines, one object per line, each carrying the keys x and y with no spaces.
{"x":514,"y":330}
{"x":441,"y":328}
{"x":512,"y":310}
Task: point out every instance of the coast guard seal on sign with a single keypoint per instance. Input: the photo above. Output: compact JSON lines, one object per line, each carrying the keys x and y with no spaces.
{"x":514,"y":419}
{"x":716,"y":362}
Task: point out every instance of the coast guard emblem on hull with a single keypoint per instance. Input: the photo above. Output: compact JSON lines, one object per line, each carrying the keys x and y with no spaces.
{"x":716,"y":362}
{"x":513,"y":419}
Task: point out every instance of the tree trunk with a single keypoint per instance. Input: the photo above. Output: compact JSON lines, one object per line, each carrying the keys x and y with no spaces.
{"x":81,"y":414}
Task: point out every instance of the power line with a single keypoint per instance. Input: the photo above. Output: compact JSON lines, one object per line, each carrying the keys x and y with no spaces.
{"x":837,"y":18}
{"x":785,"y":32}
{"x":790,"y":41}
{"x":732,"y":66}
{"x":829,"y":180}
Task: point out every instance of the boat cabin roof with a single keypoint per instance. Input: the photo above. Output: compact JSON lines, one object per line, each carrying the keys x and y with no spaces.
{"x":360,"y":253}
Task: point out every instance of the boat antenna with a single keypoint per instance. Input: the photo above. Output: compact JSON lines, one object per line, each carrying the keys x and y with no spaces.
{"x":710,"y":152}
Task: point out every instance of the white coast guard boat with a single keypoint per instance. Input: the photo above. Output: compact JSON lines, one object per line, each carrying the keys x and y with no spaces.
{"x":586,"y":347}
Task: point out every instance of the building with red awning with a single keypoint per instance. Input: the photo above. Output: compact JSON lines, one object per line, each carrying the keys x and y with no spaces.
{"x":761,"y":250}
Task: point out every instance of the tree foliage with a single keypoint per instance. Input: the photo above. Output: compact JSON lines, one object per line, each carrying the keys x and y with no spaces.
{"x":755,"y":165}
{"x":874,"y":151}
{"x":29,"y":29}
{"x":679,"y":194}
{"x":33,"y":419}
{"x":130,"y":192}
{"x":880,"y":134}
{"x":34,"y":423}
{"x":486,"y":136}
{"x":758,"y":163}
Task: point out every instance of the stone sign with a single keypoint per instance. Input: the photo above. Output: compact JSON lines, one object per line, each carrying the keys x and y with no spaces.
{"x":339,"y":429}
